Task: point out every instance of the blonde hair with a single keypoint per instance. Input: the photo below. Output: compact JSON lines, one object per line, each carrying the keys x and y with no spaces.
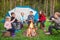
{"x":7,"y":18}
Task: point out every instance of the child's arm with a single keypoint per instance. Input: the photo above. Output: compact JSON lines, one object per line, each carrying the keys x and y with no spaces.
{"x":13,"y":20}
{"x":28,"y":18}
{"x":56,"y":20}
{"x":33,"y":18}
{"x":5,"y":25}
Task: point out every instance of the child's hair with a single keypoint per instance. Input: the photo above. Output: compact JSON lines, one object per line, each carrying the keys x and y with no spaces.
{"x":12,"y":13}
{"x":31,"y":11}
{"x":7,"y":18}
{"x":57,"y":14}
{"x":22,"y":13}
{"x":42,"y":12}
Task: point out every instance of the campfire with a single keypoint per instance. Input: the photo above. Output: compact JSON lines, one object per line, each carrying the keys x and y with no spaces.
{"x":31,"y":31}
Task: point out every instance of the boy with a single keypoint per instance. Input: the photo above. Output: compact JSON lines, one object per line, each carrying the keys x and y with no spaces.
{"x":30,"y":17}
{"x":15,"y":23}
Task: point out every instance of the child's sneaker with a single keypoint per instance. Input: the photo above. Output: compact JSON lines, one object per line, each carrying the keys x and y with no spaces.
{"x":13,"y":34}
{"x":48,"y":33}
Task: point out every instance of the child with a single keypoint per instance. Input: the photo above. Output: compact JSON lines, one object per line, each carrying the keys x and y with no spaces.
{"x":8,"y":26}
{"x":30,"y":17}
{"x":16,"y":23}
{"x":42,"y":19}
{"x":56,"y":21}
{"x":22,"y":19}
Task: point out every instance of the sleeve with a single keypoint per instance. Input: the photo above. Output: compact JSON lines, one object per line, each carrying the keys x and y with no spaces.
{"x":6,"y":25}
{"x":33,"y":18}
{"x":13,"y":20}
{"x":51,"y":17}
{"x":28,"y":18}
{"x":56,"y":21}
{"x":16,"y":20}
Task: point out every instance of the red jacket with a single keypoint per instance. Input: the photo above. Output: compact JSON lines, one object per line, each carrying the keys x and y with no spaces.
{"x":42,"y":17}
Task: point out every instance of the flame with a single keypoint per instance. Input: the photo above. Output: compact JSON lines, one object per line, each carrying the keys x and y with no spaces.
{"x":31,"y":25}
{"x":31,"y":30}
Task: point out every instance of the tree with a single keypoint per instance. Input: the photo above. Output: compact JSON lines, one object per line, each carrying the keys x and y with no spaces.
{"x":15,"y":3}
{"x":46,"y":7}
{"x":10,"y":4}
{"x":4,"y":5}
{"x":21,"y":2}
{"x":52,"y":3}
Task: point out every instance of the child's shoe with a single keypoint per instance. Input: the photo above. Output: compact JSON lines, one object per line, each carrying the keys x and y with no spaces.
{"x":48,"y":33}
{"x":13,"y":34}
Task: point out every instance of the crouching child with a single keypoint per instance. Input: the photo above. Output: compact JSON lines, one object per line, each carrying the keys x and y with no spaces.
{"x":9,"y":27}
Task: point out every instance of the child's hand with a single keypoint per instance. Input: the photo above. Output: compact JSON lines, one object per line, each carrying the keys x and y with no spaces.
{"x":53,"y":19}
{"x":18,"y":21}
{"x":24,"y":20}
{"x":38,"y":20}
{"x":31,"y":20}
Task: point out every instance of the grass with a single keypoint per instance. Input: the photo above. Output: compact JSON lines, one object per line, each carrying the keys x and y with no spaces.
{"x":40,"y":36}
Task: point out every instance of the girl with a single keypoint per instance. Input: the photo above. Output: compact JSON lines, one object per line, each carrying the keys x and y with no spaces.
{"x":22,"y":20}
{"x":8,"y":26}
{"x":42,"y":19}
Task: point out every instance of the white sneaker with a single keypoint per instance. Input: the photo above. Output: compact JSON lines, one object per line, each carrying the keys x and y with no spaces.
{"x":48,"y":33}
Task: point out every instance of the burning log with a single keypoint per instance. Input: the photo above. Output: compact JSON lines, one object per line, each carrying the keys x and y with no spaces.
{"x":31,"y":31}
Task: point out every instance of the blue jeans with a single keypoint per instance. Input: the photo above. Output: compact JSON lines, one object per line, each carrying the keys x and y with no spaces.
{"x":51,"y":27}
{"x":21,"y":25}
{"x":12,"y":31}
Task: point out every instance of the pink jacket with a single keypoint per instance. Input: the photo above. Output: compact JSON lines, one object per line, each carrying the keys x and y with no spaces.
{"x":7,"y":24}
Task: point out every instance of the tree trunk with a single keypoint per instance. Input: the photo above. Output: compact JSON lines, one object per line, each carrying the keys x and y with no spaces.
{"x":10,"y":4}
{"x":34,"y":3}
{"x":52,"y":2}
{"x":47,"y":7}
{"x":40,"y":4}
{"x":53,"y":6}
{"x":21,"y":2}
{"x":55,"y":2}
{"x":4,"y":6}
{"x":15,"y":3}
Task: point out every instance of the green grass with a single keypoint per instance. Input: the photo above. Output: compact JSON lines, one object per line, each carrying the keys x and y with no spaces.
{"x":40,"y":36}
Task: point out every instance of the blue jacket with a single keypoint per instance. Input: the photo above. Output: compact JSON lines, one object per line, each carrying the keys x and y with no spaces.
{"x":30,"y":17}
